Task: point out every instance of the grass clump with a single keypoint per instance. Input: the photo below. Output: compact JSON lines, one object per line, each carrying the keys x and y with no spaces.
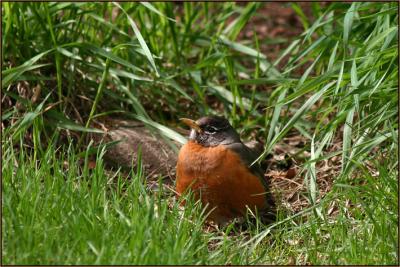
{"x":91,"y":218}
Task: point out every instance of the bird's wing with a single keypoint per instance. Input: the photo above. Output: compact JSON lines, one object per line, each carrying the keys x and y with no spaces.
{"x":248,"y":156}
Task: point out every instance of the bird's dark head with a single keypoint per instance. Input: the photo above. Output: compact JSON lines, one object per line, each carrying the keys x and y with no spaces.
{"x":212,"y":131}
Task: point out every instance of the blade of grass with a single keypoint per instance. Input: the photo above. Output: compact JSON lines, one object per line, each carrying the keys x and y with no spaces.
{"x":162,"y":129}
{"x":97,"y":98}
{"x":155,"y":10}
{"x":234,"y":28}
{"x":314,"y":98}
{"x":139,"y":36}
{"x":348,"y":21}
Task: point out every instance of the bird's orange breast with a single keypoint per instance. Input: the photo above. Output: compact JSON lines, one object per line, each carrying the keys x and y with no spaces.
{"x":220,"y":179}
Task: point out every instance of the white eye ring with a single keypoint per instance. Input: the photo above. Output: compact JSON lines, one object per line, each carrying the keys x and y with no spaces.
{"x":211,"y":130}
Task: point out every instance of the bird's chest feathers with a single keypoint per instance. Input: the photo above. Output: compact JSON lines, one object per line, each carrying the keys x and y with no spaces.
{"x":210,"y":165}
{"x":197,"y":160}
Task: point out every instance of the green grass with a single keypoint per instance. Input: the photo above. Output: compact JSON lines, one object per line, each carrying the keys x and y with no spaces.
{"x":56,"y":212}
{"x":337,"y":88}
{"x":91,"y":218}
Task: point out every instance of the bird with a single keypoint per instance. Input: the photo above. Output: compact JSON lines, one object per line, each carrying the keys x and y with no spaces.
{"x":217,"y":167}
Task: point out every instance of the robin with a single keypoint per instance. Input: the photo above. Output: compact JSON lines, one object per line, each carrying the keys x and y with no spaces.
{"x":216,"y":166}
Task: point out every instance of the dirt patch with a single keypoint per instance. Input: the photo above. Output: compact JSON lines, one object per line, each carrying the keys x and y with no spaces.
{"x":276,"y":25}
{"x":288,"y":177}
{"x":158,"y":158}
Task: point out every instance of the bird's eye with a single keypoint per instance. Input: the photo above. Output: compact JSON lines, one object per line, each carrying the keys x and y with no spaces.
{"x":211,"y":129}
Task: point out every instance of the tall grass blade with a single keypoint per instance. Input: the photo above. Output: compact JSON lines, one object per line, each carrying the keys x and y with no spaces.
{"x":140,"y":39}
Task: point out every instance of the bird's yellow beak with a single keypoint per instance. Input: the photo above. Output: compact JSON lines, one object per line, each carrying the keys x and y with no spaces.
{"x":192,"y":124}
